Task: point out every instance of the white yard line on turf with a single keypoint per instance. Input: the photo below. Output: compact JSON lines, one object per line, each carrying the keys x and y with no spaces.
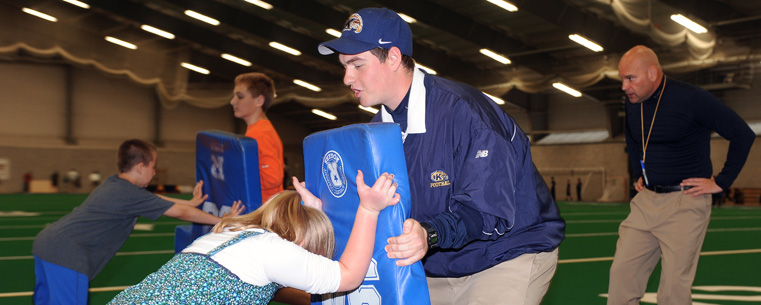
{"x":562,"y":261}
{"x":30,"y":293}
{"x":173,"y":223}
{"x":619,"y":220}
{"x":133,"y":235}
{"x":13,"y":258}
{"x":610,"y":258}
{"x":709,"y":231}
{"x":594,"y":213}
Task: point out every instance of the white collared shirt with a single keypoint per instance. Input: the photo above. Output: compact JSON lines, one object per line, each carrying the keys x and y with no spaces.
{"x":415,"y":109}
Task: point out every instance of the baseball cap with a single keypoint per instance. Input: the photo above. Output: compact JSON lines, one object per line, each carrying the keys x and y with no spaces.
{"x":368,"y":29}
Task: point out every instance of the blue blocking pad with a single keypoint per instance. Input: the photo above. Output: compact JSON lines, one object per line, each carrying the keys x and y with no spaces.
{"x":331,"y":160}
{"x":228,"y":164}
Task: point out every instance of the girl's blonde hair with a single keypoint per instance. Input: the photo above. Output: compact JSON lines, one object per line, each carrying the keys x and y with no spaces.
{"x":285,"y":216}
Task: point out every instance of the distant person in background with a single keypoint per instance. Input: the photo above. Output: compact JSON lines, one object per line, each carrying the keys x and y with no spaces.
{"x":286,"y":184}
{"x":728,"y":195}
{"x":668,"y":136}
{"x":568,"y":196}
{"x":73,"y":177}
{"x":252,"y":96}
{"x":70,"y":252}
{"x":739,"y":196}
{"x":95,"y":178}
{"x":552,"y":188}
{"x":578,"y":189}
{"x":54,"y":180}
{"x":27,"y":179}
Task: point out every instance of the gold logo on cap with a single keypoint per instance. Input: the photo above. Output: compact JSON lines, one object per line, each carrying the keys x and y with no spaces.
{"x":354,"y":23}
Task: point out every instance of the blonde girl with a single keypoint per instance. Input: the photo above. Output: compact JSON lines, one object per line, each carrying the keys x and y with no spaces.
{"x":245,"y":259}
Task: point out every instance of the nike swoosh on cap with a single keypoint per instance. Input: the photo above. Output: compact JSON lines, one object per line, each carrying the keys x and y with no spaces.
{"x":380,"y":40}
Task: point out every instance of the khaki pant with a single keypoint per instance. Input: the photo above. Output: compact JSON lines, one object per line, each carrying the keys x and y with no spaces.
{"x":520,"y":281}
{"x":670,"y":227}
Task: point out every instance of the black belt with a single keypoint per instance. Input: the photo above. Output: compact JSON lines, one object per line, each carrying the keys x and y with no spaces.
{"x":667,"y":188}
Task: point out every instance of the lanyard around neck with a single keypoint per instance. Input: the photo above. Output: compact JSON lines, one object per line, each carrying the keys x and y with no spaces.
{"x":642,"y":120}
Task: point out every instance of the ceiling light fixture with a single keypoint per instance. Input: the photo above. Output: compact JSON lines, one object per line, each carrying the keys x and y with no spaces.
{"x":504,"y":5}
{"x":156,"y":31}
{"x":236,"y":60}
{"x":121,"y":43}
{"x":497,"y":100}
{"x":39,"y":15}
{"x":495,"y":56}
{"x":194,"y":68}
{"x":324,"y":114}
{"x":406,"y":18}
{"x":586,"y":42}
{"x":566,"y":89}
{"x":78,"y":3}
{"x":285,"y":48}
{"x":368,"y":109}
{"x":307,"y":85}
{"x":333,"y":33}
{"x":202,"y":17}
{"x":689,"y":24}
{"x":261,"y":4}
{"x":427,"y":69}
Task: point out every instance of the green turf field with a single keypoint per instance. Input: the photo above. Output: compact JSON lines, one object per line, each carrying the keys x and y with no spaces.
{"x":729,"y":270}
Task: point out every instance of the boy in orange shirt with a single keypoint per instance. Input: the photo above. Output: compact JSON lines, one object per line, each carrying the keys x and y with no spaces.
{"x":252,"y":95}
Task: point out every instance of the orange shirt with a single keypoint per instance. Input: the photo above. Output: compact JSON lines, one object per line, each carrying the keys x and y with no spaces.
{"x":271,"y":169}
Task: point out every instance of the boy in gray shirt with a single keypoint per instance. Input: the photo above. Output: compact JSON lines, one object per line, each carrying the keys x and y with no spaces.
{"x":73,"y":250}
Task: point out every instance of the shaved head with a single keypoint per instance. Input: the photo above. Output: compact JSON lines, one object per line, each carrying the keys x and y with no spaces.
{"x":641,"y":55}
{"x":640,"y":73}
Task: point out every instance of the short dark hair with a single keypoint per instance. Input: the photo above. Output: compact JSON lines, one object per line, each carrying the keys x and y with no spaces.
{"x":133,"y":152}
{"x":258,"y":83}
{"x":382,"y":54}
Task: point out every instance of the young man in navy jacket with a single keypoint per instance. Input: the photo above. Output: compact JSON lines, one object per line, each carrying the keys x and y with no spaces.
{"x":483,"y":220}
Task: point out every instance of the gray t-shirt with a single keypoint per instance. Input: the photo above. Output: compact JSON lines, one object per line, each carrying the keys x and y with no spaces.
{"x":88,"y":237}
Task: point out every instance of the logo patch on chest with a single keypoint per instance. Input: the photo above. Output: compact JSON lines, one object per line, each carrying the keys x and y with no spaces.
{"x":439,"y":178}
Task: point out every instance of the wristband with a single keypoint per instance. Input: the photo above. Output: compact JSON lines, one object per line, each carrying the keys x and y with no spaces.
{"x":433,"y":237}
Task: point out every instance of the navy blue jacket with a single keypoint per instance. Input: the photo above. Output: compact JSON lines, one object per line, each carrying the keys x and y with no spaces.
{"x":472,"y":178}
{"x":680,"y":143}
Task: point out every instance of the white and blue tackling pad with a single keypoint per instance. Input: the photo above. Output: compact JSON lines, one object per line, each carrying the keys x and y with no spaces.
{"x":331,"y":161}
{"x":228,"y":164}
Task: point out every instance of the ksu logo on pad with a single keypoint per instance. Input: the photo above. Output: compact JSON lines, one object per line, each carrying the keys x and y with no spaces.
{"x":217,"y":167}
{"x":333,"y":173}
{"x":439,"y":178}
